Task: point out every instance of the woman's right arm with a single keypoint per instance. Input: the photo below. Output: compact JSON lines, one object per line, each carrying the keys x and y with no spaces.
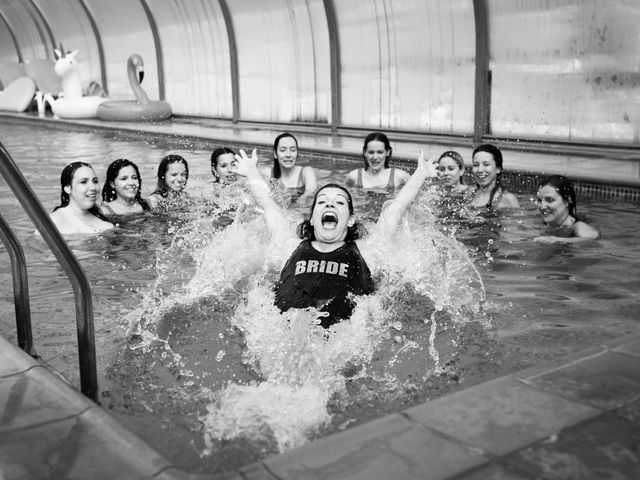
{"x":247,"y":167}
{"x":152,"y":201}
{"x":350,"y":179}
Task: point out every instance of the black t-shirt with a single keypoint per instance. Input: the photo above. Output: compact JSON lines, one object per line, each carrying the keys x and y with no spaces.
{"x":323,"y":280}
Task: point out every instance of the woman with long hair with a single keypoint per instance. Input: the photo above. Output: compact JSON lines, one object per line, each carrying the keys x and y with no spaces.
{"x":298,"y":180}
{"x":487,"y":172}
{"x":121,"y":193}
{"x":173,"y":174}
{"x":376,"y":172}
{"x":78,"y":212}
{"x":556,"y":201}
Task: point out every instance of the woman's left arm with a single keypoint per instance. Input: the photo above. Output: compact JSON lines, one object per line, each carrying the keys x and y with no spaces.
{"x":392,"y":213}
{"x":310,"y":180}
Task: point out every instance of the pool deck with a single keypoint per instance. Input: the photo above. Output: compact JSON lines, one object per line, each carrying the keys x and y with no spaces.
{"x":610,"y":164}
{"x":577,"y":417}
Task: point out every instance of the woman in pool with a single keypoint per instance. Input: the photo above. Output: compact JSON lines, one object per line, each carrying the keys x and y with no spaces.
{"x":295,"y":178}
{"x":376,"y":174}
{"x":121,"y":190}
{"x":556,"y":200}
{"x":450,"y":170}
{"x":173,"y":173}
{"x":222,"y":161}
{"x":331,"y":263}
{"x":487,"y":172}
{"x":77,"y":212}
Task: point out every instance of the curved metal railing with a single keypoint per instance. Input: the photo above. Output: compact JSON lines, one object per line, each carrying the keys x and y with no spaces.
{"x":81,"y":288}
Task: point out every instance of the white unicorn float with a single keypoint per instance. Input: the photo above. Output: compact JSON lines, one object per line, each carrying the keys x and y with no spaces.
{"x":140,"y":109}
{"x":72,"y":103}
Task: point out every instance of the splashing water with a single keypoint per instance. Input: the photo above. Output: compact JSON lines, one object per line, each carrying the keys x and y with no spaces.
{"x":301,"y":365}
{"x":426,"y":288}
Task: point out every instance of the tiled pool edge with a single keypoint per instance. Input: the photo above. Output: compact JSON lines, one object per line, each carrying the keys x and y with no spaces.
{"x":465,"y":432}
{"x":469,"y":431}
{"x":519,"y":176}
{"x":50,"y":430}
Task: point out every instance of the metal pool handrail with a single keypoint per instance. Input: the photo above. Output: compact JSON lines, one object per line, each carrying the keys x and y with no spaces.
{"x":20,"y":287}
{"x":81,"y":288}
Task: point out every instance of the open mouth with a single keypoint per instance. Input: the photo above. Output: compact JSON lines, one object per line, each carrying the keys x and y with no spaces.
{"x":329,"y":220}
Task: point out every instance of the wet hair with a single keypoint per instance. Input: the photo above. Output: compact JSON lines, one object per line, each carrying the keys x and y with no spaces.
{"x":218,"y":152}
{"x":377,"y":137}
{"x":565,"y":189}
{"x":113,"y":170}
{"x":305,"y":229}
{"x":161,"y":187}
{"x":456,"y":157}
{"x":497,"y":158}
{"x":277,"y":172}
{"x":66,"y":177}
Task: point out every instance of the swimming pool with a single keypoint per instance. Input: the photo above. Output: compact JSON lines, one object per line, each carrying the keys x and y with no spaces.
{"x":178,"y":316}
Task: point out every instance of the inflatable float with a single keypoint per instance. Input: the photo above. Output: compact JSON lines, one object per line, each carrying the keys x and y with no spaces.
{"x":72,"y":104}
{"x":18,"y":95}
{"x":140,"y":109}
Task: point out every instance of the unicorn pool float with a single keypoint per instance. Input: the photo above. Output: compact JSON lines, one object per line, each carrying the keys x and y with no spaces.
{"x":71,"y":103}
{"x":140,"y":109}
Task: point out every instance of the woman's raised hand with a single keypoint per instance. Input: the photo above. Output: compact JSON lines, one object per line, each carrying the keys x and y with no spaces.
{"x":246,"y":165}
{"x":428,"y":164}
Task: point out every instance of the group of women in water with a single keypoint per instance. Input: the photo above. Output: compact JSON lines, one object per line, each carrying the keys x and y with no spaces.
{"x":81,"y":211}
{"x":329,"y":263}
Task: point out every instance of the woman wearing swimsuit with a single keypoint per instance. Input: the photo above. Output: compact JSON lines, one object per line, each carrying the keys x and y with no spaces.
{"x":376,"y":174}
{"x":78,"y":212}
{"x":450,"y":171}
{"x":121,"y":190}
{"x":222,"y":161}
{"x":487,"y":171}
{"x":173,"y":174}
{"x":331,"y":263}
{"x":556,"y":200}
{"x":295,"y":178}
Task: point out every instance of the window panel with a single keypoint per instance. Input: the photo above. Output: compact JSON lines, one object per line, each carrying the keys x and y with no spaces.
{"x":8,"y":52}
{"x":30,"y":33}
{"x":566,"y":69}
{"x":283,"y":60}
{"x":407,"y":65}
{"x":124,"y":29}
{"x":197,"y":83}
{"x":71,"y":27}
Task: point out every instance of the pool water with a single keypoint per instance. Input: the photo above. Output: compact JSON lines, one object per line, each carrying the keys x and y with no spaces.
{"x":194,"y":358}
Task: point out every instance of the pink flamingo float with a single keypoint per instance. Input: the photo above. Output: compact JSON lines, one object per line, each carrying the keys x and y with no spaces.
{"x":140,"y":109}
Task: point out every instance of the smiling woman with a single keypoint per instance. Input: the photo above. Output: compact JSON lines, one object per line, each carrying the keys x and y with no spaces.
{"x":376,"y":155}
{"x":173,"y":174}
{"x":556,"y":200}
{"x":77,"y":212}
{"x":332,"y":263}
{"x":121,"y":191}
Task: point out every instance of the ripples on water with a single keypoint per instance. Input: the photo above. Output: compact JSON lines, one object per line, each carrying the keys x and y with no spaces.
{"x":196,"y":359}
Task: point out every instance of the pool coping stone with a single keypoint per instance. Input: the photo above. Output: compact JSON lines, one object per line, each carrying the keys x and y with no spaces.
{"x":488,"y":430}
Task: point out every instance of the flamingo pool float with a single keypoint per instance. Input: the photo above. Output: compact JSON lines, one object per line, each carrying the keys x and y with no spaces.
{"x":140,"y":109}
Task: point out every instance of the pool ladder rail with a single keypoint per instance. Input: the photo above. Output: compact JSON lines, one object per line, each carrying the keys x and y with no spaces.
{"x":76,"y":274}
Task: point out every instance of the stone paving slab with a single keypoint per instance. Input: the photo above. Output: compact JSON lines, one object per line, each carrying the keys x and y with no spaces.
{"x":606,"y":381}
{"x":50,"y":430}
{"x":392,"y":447}
{"x":33,"y":398}
{"x":496,"y":471}
{"x":501,"y":415}
{"x":604,"y":448}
